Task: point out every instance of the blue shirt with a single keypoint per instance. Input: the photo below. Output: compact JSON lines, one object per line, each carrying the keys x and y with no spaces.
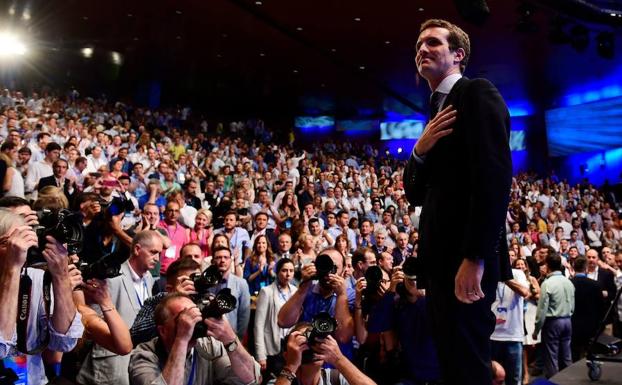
{"x":240,"y":317}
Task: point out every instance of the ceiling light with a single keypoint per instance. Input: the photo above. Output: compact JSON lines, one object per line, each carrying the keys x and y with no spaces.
{"x":387,"y":42}
{"x":129,"y":15}
{"x":116,"y":58}
{"x":258,"y":3}
{"x":361,"y":68}
{"x":262,"y":54}
{"x":178,"y":37}
{"x":399,"y":150}
{"x":26,"y":14}
{"x":85,"y":17}
{"x":87,"y":52}
{"x":12,"y":11}
{"x":295,"y":71}
{"x":135,"y":39}
{"x":333,"y":50}
{"x":421,"y":9}
{"x":357,"y":19}
{"x":224,"y":35}
{"x":613,"y":14}
{"x":11,"y":45}
{"x":298,"y":28}
{"x":218,"y":55}
{"x":178,"y":12}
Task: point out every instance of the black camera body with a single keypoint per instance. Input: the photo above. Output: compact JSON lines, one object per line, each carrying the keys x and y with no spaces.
{"x":108,"y":266}
{"x":210,"y":305}
{"x":64,"y":226}
{"x":322,"y":326}
{"x":324,"y":266}
{"x":210,"y":277}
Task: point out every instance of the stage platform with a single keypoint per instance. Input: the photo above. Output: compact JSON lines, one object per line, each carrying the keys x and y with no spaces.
{"x":576,"y":374}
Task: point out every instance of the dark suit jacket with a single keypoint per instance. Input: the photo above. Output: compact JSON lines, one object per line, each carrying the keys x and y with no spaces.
{"x":606,"y":282}
{"x":51,"y":181}
{"x":588,"y":310}
{"x":464,"y":185}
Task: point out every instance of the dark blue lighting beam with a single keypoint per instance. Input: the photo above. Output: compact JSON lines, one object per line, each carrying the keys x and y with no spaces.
{"x":585,"y":128}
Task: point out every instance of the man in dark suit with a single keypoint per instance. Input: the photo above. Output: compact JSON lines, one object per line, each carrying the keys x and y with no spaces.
{"x":59,"y":179}
{"x":589,"y":305}
{"x":460,"y":171}
{"x":604,"y":278}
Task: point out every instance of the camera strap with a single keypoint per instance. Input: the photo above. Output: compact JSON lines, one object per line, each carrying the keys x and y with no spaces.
{"x":23,"y":311}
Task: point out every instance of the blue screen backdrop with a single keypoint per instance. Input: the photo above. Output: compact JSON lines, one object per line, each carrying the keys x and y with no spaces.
{"x":585,"y":128}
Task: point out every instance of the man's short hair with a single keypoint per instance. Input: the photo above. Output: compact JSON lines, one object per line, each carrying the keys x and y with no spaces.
{"x":342,"y":212}
{"x":554,"y":262}
{"x":231,"y":212}
{"x":261,"y":213}
{"x":182,"y":264}
{"x":313,"y":220}
{"x":580,"y":264}
{"x":25,"y":150}
{"x":359,"y":255}
{"x":52,"y":146}
{"x":162,"y":314}
{"x":13,"y":202}
{"x":60,"y":160}
{"x":144,"y":238}
{"x":457,"y":38}
{"x":42,"y":135}
{"x":219,"y":248}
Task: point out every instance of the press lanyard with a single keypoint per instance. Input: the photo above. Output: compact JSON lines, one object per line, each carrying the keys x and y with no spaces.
{"x":191,"y":378}
{"x":144,"y":291}
{"x":282,"y":294}
{"x":501,"y":294}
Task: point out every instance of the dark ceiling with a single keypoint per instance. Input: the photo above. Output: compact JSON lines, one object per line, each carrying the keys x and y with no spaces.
{"x":273,"y":57}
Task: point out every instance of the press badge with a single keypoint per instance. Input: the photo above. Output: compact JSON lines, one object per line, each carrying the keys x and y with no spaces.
{"x":502,"y":315}
{"x":170,"y":252}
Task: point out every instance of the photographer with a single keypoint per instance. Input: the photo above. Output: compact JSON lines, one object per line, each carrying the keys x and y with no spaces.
{"x":175,"y":358}
{"x":328,"y":294}
{"x":63,"y":325}
{"x":177,"y":281}
{"x":128,"y":292}
{"x":297,"y":370}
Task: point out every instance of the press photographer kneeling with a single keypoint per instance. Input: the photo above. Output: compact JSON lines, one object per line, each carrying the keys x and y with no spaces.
{"x":306,"y":351}
{"x":177,"y":357}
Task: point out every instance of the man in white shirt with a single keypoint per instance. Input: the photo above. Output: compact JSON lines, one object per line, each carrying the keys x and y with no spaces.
{"x":41,"y":169}
{"x":507,"y":339}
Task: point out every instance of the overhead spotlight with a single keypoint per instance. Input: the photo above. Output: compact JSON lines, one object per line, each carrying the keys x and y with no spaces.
{"x":12,"y":10}
{"x":357,"y":19}
{"x":87,"y":52}
{"x":26,"y":14}
{"x":116,"y":58}
{"x":399,"y":150}
{"x":525,"y":18}
{"x":557,"y":33}
{"x":605,"y":45}
{"x":579,"y":38}
{"x":11,"y":45}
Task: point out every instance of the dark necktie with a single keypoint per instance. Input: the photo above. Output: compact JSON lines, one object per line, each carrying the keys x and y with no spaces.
{"x":435,"y":103}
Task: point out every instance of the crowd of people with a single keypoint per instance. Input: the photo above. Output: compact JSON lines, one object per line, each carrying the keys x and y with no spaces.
{"x":293,"y":235}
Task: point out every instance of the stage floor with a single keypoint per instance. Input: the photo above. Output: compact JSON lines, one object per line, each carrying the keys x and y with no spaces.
{"x":576,"y":374}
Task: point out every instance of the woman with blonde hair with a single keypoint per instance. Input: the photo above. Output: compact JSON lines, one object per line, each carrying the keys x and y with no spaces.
{"x":202,"y":233}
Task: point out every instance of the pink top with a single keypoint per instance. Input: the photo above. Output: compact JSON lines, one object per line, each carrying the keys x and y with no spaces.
{"x":177,"y":235}
{"x":202,"y":241}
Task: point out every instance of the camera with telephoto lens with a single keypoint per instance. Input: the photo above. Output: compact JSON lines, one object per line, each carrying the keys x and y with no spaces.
{"x":210,"y":305}
{"x":210,"y":277}
{"x":107,"y":266}
{"x":324,"y":266}
{"x":64,"y":226}
{"x":322,"y":326}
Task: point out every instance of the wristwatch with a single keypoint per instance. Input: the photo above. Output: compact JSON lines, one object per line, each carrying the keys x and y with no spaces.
{"x":232,"y":346}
